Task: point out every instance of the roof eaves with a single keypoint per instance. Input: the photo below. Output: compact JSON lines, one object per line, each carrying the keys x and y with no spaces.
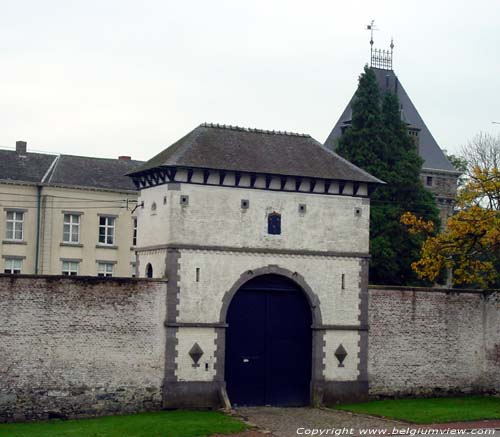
{"x":441,"y":170}
{"x":351,"y":165}
{"x":90,"y":188}
{"x":373,"y":181}
{"x":18,"y":182}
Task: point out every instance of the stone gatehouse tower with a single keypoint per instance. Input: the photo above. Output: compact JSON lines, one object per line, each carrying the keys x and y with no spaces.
{"x":263,"y":237}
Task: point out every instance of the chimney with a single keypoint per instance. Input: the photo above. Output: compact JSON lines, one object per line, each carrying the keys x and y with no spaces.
{"x":124,"y":158}
{"x":21,"y":147}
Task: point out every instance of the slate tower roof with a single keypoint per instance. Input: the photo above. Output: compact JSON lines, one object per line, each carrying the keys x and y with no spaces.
{"x":233,"y":148}
{"x":429,"y":150}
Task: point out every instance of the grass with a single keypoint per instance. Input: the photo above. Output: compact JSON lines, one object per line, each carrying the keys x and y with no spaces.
{"x":432,"y":410}
{"x":178,"y":423}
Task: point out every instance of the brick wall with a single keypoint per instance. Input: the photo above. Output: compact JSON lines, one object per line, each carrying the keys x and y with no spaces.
{"x":432,"y":342}
{"x":80,"y":346}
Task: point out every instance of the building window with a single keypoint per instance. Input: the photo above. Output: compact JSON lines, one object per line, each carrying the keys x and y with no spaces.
{"x":13,"y":266}
{"x":134,"y":234}
{"x":70,"y":268}
{"x":429,"y":181}
{"x":149,"y":271}
{"x":105,"y":270}
{"x":15,"y":225}
{"x":107,"y":230}
{"x":71,"y":228}
{"x":274,"y":223}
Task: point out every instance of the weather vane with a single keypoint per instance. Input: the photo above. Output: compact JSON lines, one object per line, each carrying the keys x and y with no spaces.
{"x":379,"y":58}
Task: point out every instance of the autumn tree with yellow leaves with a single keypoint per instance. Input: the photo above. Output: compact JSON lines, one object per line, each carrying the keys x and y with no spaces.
{"x":469,"y":246}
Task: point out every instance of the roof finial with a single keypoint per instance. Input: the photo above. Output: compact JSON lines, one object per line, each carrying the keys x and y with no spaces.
{"x":371,"y":27}
{"x":381,"y":59}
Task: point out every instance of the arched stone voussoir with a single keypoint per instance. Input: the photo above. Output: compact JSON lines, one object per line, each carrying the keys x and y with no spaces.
{"x":276,"y":270}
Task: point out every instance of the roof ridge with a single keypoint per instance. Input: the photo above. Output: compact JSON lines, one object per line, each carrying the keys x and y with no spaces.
{"x":98,"y":157}
{"x":253,"y":130}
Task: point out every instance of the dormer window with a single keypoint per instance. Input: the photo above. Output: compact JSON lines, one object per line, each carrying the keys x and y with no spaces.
{"x":274,"y":223}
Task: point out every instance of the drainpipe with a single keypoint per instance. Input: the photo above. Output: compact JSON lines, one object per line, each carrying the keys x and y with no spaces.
{"x":38,"y":215}
{"x":46,"y":178}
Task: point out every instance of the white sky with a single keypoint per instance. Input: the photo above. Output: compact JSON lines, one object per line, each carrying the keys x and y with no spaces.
{"x":118,"y":77}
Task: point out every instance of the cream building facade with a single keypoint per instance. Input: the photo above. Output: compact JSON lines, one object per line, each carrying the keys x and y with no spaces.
{"x":65,"y":214}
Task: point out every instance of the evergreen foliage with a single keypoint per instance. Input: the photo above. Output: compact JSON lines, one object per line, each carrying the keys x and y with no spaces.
{"x":378,"y":142}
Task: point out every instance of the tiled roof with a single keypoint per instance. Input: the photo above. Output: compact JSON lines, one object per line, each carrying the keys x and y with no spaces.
{"x":429,"y":150}
{"x":30,"y":167}
{"x":67,"y":170}
{"x":93,"y":172}
{"x":236,"y":148}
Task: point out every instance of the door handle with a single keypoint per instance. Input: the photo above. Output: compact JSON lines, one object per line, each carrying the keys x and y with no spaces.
{"x":248,"y":359}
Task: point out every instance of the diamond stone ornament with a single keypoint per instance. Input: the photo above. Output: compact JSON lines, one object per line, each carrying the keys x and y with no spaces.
{"x":195,"y":353}
{"x":340,"y":354}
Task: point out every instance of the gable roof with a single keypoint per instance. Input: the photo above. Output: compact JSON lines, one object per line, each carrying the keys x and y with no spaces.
{"x":67,"y":170}
{"x":429,"y":150}
{"x":93,"y":172}
{"x":234,"y":148}
{"x":29,"y":167}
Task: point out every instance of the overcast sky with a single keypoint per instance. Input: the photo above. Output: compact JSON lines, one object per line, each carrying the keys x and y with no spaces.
{"x":116,"y":77}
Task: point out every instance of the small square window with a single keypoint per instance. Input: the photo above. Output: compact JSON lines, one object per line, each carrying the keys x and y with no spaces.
{"x":302,"y":208}
{"x":358,"y":212}
{"x":245,"y":203}
{"x":184,"y":200}
{"x":70,"y":268}
{"x":13,"y":266}
{"x":105,"y":270}
{"x":429,"y":181}
{"x":274,"y":223}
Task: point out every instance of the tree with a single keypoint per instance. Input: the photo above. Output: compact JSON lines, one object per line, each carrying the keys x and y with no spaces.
{"x":378,"y":141}
{"x":483,"y":151}
{"x":459,"y":162}
{"x":362,"y":143}
{"x":470,"y":244}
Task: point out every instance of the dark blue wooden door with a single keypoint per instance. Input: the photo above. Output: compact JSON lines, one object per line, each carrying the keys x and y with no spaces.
{"x":268,"y":344}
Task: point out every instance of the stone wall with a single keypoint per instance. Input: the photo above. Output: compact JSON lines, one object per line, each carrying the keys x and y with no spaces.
{"x":492,"y":341}
{"x":433,"y":342}
{"x":80,"y":346}
{"x":443,"y":184}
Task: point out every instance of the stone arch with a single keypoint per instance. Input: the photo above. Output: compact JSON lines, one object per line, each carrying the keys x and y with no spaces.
{"x":312,"y":298}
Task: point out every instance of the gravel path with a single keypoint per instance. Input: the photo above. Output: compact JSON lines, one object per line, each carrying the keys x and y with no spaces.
{"x":290,"y":422}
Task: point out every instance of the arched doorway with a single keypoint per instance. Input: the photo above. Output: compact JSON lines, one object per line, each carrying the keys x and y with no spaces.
{"x":269,"y":343}
{"x":149,"y":271}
